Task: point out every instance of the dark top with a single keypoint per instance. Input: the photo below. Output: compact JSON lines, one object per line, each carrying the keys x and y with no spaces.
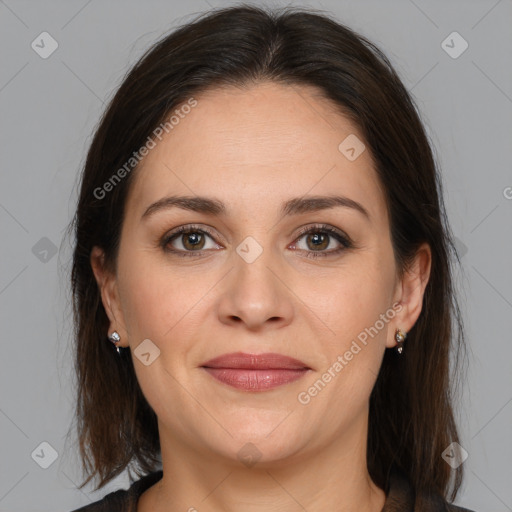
{"x":400,"y":497}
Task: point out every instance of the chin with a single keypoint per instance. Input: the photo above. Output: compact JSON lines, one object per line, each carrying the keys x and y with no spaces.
{"x":266,"y":439}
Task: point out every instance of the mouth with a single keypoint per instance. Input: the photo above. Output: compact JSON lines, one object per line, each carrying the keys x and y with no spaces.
{"x":255,"y":372}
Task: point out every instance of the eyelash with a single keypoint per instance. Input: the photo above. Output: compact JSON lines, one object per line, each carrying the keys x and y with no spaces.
{"x":318,"y":228}
{"x":343,"y":239}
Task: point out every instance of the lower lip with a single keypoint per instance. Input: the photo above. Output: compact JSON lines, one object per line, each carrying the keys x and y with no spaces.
{"x":255,"y":380}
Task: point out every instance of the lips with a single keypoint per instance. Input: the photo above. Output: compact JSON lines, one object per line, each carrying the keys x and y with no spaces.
{"x":255,"y":372}
{"x":269,"y":361}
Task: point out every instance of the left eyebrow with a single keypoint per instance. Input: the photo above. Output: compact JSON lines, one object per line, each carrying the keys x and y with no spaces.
{"x":295,"y":206}
{"x":316,"y":203}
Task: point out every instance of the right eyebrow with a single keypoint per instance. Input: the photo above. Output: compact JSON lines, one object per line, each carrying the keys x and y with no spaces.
{"x":191,"y":203}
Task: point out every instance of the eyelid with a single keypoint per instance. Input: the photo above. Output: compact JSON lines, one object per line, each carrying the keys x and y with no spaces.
{"x":339,"y":235}
{"x":325,"y":228}
{"x":188,"y":228}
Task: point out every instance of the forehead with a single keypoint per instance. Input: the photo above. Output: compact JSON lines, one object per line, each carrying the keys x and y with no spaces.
{"x":258,"y":144}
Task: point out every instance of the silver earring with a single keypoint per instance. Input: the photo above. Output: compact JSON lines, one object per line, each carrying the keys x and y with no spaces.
{"x":115,"y":339}
{"x":400,"y":338}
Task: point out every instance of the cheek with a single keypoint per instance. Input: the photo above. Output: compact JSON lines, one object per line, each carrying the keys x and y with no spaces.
{"x":158,"y":306}
{"x":141,"y":306}
{"x":358,"y":309}
{"x":354,"y":301}
{"x":146,"y":297}
{"x":159,"y":301}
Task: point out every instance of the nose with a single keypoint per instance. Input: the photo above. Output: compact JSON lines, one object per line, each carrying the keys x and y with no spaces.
{"x":256,"y":295}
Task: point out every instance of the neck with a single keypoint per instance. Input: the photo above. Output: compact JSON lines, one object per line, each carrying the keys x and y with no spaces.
{"x":333,"y":477}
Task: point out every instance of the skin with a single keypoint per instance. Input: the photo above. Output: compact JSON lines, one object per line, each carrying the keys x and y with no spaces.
{"x":254,"y":148}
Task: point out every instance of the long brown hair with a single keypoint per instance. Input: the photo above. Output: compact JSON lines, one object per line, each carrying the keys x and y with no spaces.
{"x":411,"y":417}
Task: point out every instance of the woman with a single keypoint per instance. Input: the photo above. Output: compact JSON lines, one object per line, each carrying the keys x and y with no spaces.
{"x":262,"y":280}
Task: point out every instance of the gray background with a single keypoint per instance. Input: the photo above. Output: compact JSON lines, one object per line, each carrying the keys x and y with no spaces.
{"x":48,"y":110}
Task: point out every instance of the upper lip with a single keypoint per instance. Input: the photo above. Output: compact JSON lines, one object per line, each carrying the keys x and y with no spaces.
{"x":267,"y":361}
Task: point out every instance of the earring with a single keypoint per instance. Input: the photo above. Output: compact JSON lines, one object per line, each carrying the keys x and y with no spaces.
{"x":400,"y":338}
{"x":115,"y":339}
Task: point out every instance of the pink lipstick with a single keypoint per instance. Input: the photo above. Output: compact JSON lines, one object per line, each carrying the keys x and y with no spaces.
{"x":255,"y":372}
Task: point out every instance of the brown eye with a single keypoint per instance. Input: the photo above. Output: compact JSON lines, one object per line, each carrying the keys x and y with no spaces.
{"x":192,"y":240}
{"x":318,"y":241}
{"x":187,"y":240}
{"x":319,"y":238}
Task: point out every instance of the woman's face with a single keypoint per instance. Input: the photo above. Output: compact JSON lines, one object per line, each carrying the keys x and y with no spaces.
{"x":245,"y":280}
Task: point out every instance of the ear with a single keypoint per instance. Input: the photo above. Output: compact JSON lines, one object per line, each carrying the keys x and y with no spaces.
{"x":107,"y":284}
{"x":410,"y":291}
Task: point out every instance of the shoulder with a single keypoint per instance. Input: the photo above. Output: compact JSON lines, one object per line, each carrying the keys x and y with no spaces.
{"x":123,"y":500}
{"x":115,"y":501}
{"x":438,"y":503}
{"x":401,"y":496}
{"x":455,"y":508}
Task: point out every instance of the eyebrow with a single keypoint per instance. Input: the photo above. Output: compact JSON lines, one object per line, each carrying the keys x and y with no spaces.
{"x":215,"y":207}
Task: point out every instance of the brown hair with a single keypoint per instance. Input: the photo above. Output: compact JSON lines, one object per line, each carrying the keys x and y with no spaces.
{"x":411,"y":418}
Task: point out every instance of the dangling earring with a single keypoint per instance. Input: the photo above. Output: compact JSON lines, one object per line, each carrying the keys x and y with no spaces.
{"x":115,"y":339}
{"x":400,"y":338}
